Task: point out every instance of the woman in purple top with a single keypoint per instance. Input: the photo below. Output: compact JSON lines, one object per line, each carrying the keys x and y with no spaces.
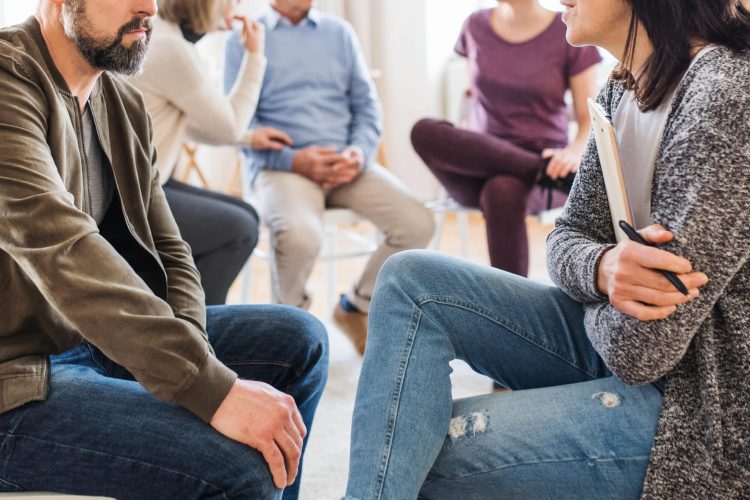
{"x":521,"y":67}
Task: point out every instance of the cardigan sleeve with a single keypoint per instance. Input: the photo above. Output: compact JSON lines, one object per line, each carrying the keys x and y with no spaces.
{"x":702,"y":194}
{"x":584,"y":231}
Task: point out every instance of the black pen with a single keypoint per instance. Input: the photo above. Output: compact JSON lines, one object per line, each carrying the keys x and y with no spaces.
{"x":672,"y":277}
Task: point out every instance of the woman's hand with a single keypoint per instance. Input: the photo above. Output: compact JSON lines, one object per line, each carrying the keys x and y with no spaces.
{"x":270,"y":138}
{"x":253,"y":35}
{"x":564,"y":161}
{"x":628,"y":274}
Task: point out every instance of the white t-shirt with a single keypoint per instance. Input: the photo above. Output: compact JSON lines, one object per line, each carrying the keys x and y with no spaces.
{"x":639,"y":137}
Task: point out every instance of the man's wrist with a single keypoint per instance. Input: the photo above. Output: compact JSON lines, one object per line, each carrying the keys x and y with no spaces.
{"x":359,"y":153}
{"x":208,"y":388}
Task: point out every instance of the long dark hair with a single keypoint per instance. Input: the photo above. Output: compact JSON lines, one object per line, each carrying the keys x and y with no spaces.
{"x":675,"y":27}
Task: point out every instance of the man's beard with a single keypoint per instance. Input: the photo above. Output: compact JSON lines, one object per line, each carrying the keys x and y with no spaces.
{"x":106,"y":54}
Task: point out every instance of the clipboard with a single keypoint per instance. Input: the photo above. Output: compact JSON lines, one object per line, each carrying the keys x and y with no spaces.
{"x":609,"y":158}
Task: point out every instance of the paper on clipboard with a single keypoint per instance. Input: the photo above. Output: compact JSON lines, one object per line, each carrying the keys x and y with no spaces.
{"x":609,"y":158}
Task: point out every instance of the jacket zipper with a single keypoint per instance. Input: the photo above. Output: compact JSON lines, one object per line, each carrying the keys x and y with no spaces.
{"x":122,"y":205}
{"x":84,"y":159}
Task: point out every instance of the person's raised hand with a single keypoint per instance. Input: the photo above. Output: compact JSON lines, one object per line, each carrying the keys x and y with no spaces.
{"x":253,"y":35}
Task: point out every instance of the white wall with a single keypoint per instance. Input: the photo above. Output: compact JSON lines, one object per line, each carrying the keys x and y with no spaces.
{"x":15,"y":11}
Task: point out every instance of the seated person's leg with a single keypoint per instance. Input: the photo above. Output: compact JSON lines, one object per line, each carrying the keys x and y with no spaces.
{"x":503,"y":202}
{"x":429,"y":309}
{"x":587,"y":440}
{"x":381,"y":198}
{"x":280,"y":345}
{"x":104,"y":436}
{"x":405,"y":223}
{"x":221,"y":231}
{"x":292,"y":207}
{"x":445,"y":148}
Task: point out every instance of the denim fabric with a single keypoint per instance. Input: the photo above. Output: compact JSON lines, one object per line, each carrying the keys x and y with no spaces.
{"x":100,"y":433}
{"x":569,"y":429}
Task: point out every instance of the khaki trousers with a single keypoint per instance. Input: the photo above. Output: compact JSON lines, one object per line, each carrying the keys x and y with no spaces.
{"x":292,"y":207}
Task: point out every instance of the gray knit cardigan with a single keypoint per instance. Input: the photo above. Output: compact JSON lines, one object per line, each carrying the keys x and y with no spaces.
{"x":700,"y":192}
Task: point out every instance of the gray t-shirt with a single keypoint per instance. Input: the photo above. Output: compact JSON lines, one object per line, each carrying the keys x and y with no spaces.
{"x":100,"y":179}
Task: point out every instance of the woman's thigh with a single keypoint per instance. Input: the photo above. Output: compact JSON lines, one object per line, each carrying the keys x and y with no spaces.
{"x":521,"y":333}
{"x":208,"y":221}
{"x":589,"y":440}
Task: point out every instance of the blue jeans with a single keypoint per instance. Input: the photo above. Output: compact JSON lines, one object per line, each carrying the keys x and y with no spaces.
{"x":101,"y":433}
{"x":569,"y":428}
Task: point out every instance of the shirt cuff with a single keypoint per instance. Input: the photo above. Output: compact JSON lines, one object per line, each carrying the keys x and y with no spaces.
{"x":281,"y":160}
{"x":209,"y":388}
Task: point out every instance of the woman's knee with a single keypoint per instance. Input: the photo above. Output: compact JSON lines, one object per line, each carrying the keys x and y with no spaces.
{"x":406,"y":271}
{"x":423,"y":134}
{"x":504,"y":193}
{"x":243,"y":224}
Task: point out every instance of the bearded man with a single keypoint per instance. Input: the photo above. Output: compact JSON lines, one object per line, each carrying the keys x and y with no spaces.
{"x":115,"y":380}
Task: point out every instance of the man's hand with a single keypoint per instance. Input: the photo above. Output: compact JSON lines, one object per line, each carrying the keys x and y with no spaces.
{"x":256,"y":414}
{"x":628,"y":273}
{"x":347,"y":168}
{"x":270,"y":138}
{"x":315,"y":163}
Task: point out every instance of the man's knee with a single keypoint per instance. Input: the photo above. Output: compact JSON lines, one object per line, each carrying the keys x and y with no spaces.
{"x":242,"y":473}
{"x":299,"y":240}
{"x":414,"y":229}
{"x":312,"y":341}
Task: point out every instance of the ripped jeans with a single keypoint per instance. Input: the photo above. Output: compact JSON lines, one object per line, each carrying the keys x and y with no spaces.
{"x":569,"y":428}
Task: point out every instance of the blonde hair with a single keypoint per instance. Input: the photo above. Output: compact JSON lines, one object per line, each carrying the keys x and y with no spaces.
{"x":201,"y":16}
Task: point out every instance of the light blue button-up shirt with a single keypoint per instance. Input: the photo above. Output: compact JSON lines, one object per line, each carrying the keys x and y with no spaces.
{"x":317,"y":88}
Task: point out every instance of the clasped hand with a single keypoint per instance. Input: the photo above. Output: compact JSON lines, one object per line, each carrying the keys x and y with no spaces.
{"x":629,"y":275}
{"x":327,"y":167}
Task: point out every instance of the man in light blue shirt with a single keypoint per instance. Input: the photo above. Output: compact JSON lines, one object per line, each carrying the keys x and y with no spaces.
{"x":317,"y":88}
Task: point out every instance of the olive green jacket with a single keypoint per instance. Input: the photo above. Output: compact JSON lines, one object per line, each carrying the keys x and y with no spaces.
{"x":128,"y":287}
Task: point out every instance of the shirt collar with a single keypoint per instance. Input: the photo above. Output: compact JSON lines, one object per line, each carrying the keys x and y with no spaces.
{"x":275,"y":19}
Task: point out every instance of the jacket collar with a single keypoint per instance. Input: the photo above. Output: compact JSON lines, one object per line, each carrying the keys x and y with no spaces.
{"x":32,"y":27}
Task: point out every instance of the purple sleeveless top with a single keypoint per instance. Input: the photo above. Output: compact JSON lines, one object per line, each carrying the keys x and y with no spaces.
{"x":518,"y":88}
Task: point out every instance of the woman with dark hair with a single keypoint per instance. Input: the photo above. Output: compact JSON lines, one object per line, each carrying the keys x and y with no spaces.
{"x":222,"y":230}
{"x":520,"y":68}
{"x":621,"y":385}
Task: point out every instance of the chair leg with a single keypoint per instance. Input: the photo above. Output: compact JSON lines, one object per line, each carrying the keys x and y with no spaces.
{"x":463,"y":232}
{"x":247,"y":280}
{"x":328,"y":247}
{"x":438,"y":235}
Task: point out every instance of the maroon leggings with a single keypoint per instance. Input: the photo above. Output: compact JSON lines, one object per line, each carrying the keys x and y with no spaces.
{"x":483,"y":171}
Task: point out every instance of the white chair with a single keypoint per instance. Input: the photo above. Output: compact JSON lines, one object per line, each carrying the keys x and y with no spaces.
{"x":443,"y":205}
